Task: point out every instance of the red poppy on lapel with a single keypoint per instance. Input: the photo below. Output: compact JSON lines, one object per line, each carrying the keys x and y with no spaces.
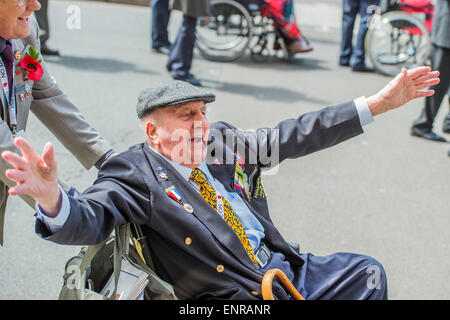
{"x":35,"y":71}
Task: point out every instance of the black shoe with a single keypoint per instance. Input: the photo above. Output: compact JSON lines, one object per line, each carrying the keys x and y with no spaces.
{"x":362,"y":69}
{"x":163,"y":50}
{"x":344,"y":64}
{"x":190,"y":79}
{"x":49,"y":52}
{"x":429,"y":135}
{"x":446,"y":126}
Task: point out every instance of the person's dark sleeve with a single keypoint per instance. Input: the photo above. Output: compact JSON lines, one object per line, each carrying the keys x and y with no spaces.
{"x":310,"y":132}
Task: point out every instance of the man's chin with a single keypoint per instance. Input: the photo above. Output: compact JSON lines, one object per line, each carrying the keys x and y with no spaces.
{"x":194,"y":161}
{"x":189,"y":156}
{"x":22,"y":32}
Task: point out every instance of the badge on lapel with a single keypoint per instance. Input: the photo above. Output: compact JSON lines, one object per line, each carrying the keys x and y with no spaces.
{"x":173,"y":193}
{"x":23,"y":91}
{"x":30,"y":64}
{"x":259,"y":191}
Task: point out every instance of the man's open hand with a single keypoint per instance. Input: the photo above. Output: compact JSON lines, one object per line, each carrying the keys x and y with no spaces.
{"x":36,"y":176}
{"x":406,"y":86}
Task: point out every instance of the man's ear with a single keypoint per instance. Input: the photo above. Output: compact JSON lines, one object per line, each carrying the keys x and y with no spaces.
{"x":152,"y":132}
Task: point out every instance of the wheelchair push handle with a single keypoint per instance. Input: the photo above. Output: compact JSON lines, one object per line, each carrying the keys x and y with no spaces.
{"x":266,"y":285}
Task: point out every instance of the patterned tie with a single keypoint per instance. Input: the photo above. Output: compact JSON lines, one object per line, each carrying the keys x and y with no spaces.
{"x":209,"y":194}
{"x":8,"y":61}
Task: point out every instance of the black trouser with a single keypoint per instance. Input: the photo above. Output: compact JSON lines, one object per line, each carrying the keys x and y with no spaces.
{"x":349,"y":54}
{"x":42,"y":19}
{"x":160,"y":20}
{"x":440,"y":60}
{"x":181,"y":53}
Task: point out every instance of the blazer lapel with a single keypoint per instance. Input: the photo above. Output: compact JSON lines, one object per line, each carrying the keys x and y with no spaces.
{"x":201,"y":209}
{"x":18,"y":47}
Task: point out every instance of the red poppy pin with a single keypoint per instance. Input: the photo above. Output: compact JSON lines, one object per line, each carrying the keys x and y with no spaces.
{"x":31,"y":63}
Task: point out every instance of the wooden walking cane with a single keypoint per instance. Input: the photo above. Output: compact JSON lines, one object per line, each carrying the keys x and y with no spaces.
{"x":266,"y":285}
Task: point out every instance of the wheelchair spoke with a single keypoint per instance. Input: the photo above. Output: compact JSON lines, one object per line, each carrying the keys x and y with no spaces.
{"x":397,"y":40}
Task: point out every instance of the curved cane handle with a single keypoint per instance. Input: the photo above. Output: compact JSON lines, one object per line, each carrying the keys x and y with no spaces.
{"x":266,"y":285}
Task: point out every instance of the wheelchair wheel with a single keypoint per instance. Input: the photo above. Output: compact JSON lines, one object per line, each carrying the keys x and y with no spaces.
{"x":395,"y":40}
{"x":225,"y":35}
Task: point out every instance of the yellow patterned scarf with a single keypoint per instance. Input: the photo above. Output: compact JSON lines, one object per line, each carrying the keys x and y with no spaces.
{"x":209,"y":194}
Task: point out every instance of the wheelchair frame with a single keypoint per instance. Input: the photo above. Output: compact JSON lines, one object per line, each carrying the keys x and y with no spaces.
{"x":252,"y":32}
{"x":410,"y":42}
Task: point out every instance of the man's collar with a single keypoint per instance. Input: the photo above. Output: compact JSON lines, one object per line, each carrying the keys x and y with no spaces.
{"x":184,"y":171}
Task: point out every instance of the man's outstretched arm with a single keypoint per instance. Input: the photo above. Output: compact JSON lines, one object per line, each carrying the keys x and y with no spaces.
{"x":324,"y":128}
{"x":36,"y":175}
{"x":119,"y":195}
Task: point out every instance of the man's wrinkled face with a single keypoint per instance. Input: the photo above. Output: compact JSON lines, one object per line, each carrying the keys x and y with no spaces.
{"x":180,"y":132}
{"x":14,"y":19}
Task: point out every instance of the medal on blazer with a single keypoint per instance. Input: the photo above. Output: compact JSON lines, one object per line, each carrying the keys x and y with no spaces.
{"x":220,"y":209}
{"x":240,"y":178}
{"x":173,"y":193}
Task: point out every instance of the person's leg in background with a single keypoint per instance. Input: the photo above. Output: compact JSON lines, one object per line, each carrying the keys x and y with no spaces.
{"x":423,"y":126}
{"x":182,"y":51}
{"x":160,"y":20}
{"x":350,"y":9}
{"x":366,"y":10}
{"x":44,"y":34}
{"x":446,"y":126}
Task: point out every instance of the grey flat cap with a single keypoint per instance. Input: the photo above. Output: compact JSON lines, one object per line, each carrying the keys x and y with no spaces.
{"x":170,"y":93}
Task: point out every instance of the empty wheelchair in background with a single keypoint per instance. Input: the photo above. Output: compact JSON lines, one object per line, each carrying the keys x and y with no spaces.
{"x":399,"y":35}
{"x":236,"y":27}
